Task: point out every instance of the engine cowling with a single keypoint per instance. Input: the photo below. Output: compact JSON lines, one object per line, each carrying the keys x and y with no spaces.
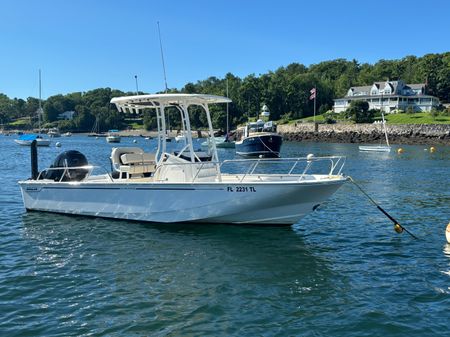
{"x":66,"y":160}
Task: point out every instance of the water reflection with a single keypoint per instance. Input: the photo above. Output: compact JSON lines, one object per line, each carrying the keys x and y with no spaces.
{"x":183,"y":271}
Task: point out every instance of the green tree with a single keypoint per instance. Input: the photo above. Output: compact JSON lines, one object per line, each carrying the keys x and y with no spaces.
{"x":360,"y":113}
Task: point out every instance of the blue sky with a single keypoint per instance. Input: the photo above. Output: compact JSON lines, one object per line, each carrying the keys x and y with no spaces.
{"x":86,"y":44}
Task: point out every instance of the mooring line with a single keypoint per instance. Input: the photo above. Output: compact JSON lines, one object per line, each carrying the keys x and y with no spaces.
{"x":397,"y":227}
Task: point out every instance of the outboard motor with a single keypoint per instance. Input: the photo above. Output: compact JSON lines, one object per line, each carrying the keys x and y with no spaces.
{"x":66,"y":160}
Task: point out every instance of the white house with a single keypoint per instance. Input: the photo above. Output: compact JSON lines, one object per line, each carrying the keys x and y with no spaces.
{"x":389,"y":96}
{"x":67,"y":115}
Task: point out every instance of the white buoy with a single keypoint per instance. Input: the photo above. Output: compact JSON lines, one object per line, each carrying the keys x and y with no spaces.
{"x":134,"y":141}
{"x":447,"y":233}
{"x":310,"y":156}
{"x":58,"y":144}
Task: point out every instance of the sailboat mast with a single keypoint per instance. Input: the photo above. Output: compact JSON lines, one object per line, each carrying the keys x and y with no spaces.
{"x":384,"y":129}
{"x":40,"y":103}
{"x":227,"y":111}
{"x":384,"y":122}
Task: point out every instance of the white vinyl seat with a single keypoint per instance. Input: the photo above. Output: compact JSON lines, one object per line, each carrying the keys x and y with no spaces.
{"x":132,"y":161}
{"x":137,"y":163}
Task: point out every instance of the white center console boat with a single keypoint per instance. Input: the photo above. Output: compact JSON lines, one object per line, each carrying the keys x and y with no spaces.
{"x":184,"y":187}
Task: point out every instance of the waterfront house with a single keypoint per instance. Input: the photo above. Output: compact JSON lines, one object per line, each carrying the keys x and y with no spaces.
{"x":390,"y":96}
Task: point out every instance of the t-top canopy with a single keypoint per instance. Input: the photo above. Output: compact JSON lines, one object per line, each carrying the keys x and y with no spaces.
{"x":154,"y":101}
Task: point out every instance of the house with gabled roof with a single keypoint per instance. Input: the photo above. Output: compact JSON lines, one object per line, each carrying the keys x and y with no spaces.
{"x":389,"y":96}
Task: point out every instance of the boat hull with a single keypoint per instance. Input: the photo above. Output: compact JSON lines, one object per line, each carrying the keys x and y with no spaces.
{"x":39,"y":142}
{"x":283,"y":203}
{"x":267,"y":146}
{"x":113,"y":139}
{"x":375,"y":148}
{"x":221,"y":142}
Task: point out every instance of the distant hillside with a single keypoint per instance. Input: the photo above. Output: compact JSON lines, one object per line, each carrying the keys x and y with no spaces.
{"x":285,"y":91}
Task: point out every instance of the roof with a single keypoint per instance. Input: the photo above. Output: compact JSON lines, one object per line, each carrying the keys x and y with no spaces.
{"x":156,"y":100}
{"x":384,"y":96}
{"x":379,"y":84}
{"x":362,"y":88}
{"x":416,"y":86}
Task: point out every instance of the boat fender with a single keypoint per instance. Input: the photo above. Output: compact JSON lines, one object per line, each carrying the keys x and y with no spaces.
{"x":447,"y":233}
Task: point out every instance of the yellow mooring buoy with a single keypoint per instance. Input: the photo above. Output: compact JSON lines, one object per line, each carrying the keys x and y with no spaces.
{"x":400,"y":150}
{"x":432,"y":149}
{"x":447,"y":233}
{"x":398,"y":228}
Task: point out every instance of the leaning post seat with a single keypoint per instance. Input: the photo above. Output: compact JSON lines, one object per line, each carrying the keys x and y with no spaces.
{"x":130,"y":161}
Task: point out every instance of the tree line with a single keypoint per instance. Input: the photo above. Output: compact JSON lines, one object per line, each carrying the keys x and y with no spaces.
{"x":285,"y":91}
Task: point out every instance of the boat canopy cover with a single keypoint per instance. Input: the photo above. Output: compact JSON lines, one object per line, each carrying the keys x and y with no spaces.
{"x":132,"y":103}
{"x":28,"y":137}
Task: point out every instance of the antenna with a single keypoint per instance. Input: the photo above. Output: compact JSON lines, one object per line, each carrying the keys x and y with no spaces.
{"x":162,"y":57}
{"x":137,"y":89}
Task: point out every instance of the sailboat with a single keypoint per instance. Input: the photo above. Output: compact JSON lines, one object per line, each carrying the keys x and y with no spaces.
{"x":95,"y":131}
{"x":27,"y":139}
{"x":379,"y":148}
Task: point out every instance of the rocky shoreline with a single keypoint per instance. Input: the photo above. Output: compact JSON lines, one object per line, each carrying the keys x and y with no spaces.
{"x":431,"y":134}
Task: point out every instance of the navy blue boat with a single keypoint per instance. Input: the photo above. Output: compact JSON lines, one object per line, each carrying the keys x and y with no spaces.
{"x":259,"y":139}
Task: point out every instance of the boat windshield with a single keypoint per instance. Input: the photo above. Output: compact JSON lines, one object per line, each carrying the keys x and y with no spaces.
{"x":261,"y":126}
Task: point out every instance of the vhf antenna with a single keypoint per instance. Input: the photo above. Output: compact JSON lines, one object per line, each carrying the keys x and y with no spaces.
{"x":162,"y":57}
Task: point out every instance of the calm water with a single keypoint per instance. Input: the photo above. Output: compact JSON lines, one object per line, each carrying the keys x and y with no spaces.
{"x":341,"y":271}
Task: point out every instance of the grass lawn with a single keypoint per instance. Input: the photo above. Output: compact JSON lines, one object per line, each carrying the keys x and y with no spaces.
{"x":398,"y":118}
{"x":417,"y":118}
{"x":319,"y":119}
{"x":20,"y":122}
{"x":135,"y":123}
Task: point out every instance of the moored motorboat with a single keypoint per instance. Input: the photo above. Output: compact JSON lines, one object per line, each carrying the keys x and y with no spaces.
{"x":26,"y":140}
{"x":221,"y":142}
{"x":54,"y":133}
{"x":180,"y":137}
{"x":259,"y":139}
{"x":182,"y":186}
{"x":113,"y":136}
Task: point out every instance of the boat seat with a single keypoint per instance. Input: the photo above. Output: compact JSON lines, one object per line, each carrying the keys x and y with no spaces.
{"x":137,"y":163}
{"x":128,"y":161}
{"x":137,"y":158}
